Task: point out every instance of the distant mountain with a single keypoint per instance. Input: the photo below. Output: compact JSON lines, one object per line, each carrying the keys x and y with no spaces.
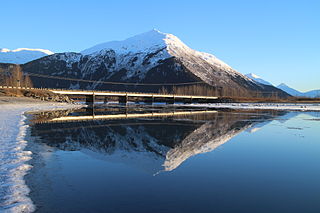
{"x":313,"y":93}
{"x":258,"y":79}
{"x":285,"y":88}
{"x":289,"y":90}
{"x":22,"y":55}
{"x":148,"y":58}
{"x":294,"y":92}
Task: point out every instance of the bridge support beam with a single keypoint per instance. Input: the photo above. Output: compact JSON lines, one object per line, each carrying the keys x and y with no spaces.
{"x":90,"y":99}
{"x":123,"y":99}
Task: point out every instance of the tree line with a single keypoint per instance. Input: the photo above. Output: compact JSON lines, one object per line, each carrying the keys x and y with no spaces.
{"x":207,"y":90}
{"x":12,"y":75}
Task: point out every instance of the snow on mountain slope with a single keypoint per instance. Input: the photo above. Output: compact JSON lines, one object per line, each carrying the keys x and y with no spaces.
{"x":145,"y":42}
{"x":258,"y":79}
{"x":151,"y":41}
{"x":148,"y":42}
{"x":22,"y":55}
{"x":161,"y":45}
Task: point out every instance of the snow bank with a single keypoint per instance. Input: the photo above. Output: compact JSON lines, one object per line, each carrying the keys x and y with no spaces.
{"x":13,"y":158}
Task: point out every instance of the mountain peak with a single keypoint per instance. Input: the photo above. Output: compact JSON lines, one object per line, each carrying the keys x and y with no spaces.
{"x":153,"y":41}
{"x":258,"y":79}
{"x":253,"y":75}
{"x":282,"y":85}
{"x":155,"y":31}
{"x":146,"y":41}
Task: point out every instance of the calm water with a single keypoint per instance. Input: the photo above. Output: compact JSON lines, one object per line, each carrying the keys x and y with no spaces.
{"x":225,"y":161}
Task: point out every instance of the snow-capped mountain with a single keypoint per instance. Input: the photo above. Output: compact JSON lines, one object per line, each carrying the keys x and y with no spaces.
{"x":163,"y":45}
{"x":22,"y":55}
{"x":258,"y":79}
{"x":294,"y":92}
{"x":151,"y":57}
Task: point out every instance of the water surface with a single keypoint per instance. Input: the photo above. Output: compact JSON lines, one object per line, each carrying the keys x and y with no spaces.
{"x":222,"y":161}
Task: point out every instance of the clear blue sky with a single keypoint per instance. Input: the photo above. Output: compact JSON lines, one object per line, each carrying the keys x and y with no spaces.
{"x":276,"y":39}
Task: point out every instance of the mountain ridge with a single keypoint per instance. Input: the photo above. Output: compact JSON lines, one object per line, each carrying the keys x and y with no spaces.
{"x":147,"y":58}
{"x":285,"y":87}
{"x":311,"y":94}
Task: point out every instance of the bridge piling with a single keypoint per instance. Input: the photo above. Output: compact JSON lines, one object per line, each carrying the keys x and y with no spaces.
{"x":123,"y":99}
{"x":90,"y":99}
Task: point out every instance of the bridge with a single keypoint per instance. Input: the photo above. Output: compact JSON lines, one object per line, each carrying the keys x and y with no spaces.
{"x":92,"y":96}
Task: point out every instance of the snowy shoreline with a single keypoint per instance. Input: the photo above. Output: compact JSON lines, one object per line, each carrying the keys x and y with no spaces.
{"x":13,"y":158}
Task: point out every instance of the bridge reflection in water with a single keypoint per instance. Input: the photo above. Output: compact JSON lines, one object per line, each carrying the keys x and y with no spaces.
{"x":153,"y":141}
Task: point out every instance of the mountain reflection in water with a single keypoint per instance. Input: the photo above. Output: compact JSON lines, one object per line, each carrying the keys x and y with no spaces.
{"x":152,"y":144}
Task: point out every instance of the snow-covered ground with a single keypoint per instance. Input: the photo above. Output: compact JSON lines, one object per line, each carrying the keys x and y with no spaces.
{"x":13,"y":158}
{"x":270,"y":106}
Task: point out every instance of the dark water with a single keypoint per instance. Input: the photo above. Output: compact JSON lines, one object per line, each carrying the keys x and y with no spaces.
{"x":225,"y":161}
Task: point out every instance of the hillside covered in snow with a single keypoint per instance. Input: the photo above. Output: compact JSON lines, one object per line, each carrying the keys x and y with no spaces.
{"x":22,"y":55}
